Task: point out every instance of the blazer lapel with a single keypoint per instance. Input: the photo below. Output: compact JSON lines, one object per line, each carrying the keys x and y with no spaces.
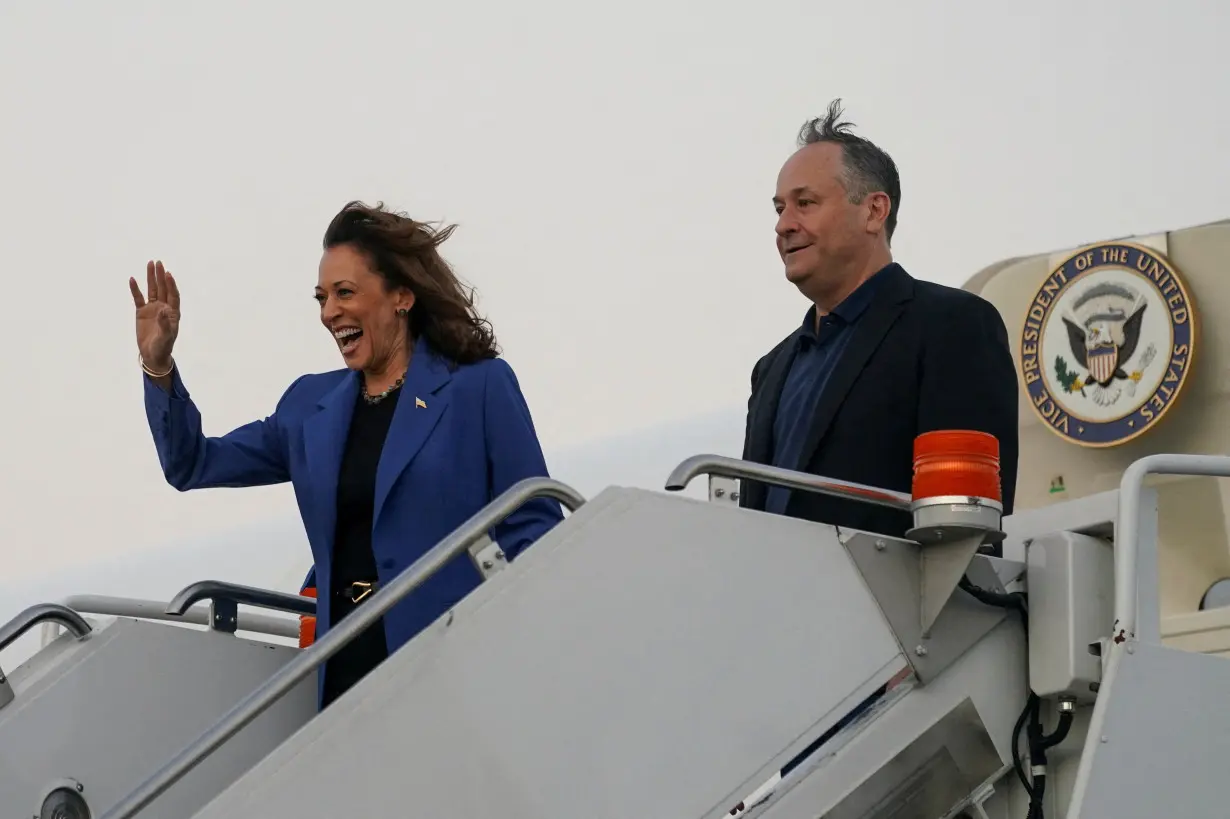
{"x":869,"y":331}
{"x":324,"y":442}
{"x":758,"y":448}
{"x":419,"y":407}
{"x":764,"y":409}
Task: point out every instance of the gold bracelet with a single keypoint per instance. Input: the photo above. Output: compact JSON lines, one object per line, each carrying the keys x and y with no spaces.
{"x":153,"y":374}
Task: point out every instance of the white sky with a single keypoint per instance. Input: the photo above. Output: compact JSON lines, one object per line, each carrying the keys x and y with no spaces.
{"x":610,"y":167}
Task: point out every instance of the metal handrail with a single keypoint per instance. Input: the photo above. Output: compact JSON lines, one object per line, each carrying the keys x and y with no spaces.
{"x":1127,"y":527}
{"x":157,"y":610}
{"x":219,"y":591}
{"x":723,"y":466}
{"x":43,"y":613}
{"x":354,"y":624}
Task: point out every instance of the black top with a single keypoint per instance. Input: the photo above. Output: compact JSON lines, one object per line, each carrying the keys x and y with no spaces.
{"x":353,"y":559}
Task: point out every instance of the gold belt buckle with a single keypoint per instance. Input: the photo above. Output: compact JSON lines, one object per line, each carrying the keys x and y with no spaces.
{"x":359,"y":584}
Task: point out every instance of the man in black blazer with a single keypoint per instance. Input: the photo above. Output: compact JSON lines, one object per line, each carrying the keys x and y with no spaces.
{"x":880,"y":356}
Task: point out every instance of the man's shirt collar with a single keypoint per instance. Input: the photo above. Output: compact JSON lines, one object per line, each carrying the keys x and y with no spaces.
{"x":846,"y":313}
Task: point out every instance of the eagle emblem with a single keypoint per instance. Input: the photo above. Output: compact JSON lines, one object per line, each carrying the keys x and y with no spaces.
{"x":1107,"y":343}
{"x":1106,"y":331}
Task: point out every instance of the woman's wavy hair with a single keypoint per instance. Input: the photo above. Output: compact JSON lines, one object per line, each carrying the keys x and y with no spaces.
{"x":406,"y":254}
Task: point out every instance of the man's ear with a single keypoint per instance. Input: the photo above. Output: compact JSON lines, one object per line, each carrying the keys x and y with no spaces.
{"x":878,"y":208}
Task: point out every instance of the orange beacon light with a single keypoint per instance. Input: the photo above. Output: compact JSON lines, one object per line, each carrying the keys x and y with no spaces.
{"x":307,"y":623}
{"x":956,"y":462}
{"x":956,"y":490}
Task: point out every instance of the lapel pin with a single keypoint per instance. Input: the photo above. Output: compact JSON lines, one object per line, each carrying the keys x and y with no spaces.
{"x":418,"y":402}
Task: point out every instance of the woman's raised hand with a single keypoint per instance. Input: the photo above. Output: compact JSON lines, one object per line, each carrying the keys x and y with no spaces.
{"x":157,"y":316}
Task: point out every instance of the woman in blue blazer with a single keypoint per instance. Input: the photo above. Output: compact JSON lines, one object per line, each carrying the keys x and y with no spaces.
{"x":422,"y":428}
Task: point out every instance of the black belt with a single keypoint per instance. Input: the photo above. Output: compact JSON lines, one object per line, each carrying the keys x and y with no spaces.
{"x":357,"y":591}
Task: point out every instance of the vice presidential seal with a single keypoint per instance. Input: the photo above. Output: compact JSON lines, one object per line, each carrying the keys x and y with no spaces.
{"x":1107,"y":344}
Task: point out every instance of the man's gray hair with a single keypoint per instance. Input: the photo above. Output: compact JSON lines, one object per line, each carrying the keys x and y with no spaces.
{"x":867,"y":168}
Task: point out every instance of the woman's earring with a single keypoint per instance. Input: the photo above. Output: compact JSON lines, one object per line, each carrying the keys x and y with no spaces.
{"x":401,"y":311}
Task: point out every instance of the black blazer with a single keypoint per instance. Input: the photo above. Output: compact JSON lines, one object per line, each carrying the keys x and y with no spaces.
{"x":923,"y":357}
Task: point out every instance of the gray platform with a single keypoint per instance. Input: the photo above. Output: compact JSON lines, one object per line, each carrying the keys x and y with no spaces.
{"x":99,"y":714}
{"x":654,"y":656}
{"x":1159,"y":731}
{"x":657,"y":656}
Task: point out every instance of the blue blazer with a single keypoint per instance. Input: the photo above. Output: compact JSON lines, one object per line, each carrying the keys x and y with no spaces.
{"x":441,"y":463}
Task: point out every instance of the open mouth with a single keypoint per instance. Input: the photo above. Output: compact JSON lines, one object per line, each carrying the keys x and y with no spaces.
{"x":347,"y":339}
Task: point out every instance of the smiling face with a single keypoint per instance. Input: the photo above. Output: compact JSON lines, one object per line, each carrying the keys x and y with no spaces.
{"x":822,"y":237}
{"x":361,"y":312}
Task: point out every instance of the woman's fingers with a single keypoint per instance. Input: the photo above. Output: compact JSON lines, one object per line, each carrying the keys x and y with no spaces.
{"x":151,"y":282}
{"x":160,"y":276}
{"x":159,"y":286}
{"x":172,"y":292}
{"x":137,"y":298}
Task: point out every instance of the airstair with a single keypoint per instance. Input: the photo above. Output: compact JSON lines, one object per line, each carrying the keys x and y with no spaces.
{"x":100,"y":707}
{"x":666,"y":657}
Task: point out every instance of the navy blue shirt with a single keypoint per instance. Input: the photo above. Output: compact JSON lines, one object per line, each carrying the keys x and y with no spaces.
{"x":816,"y":353}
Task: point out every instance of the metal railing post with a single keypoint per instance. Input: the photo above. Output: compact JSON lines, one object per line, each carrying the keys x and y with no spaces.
{"x":723,"y":466}
{"x":1127,"y":526}
{"x":11,"y":631}
{"x":43,"y":613}
{"x":225,"y":598}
